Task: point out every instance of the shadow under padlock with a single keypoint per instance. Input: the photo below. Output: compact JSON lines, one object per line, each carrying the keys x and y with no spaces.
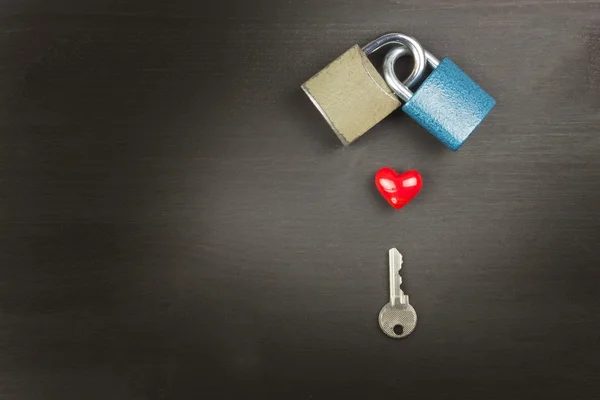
{"x":353,"y":97}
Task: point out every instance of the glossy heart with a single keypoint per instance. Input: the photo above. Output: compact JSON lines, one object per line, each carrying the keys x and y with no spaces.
{"x":398,"y":189}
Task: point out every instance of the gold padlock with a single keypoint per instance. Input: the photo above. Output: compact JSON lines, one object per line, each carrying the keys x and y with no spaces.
{"x":350,"y":93}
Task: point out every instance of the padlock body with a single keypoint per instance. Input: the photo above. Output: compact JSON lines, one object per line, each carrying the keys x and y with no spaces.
{"x":449,"y":104}
{"x":351,"y":95}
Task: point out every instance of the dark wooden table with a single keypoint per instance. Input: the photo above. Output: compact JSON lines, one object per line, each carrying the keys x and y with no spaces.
{"x":178,"y":222}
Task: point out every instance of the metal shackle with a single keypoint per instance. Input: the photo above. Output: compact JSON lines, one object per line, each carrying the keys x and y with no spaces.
{"x":402,"y":89}
{"x":407,"y":45}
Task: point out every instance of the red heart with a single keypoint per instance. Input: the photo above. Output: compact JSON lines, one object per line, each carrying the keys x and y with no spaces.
{"x":398,"y":189}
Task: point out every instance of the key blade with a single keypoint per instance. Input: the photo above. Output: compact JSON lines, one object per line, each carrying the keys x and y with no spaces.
{"x":397,"y":296}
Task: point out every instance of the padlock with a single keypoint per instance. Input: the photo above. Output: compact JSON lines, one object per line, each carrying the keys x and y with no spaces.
{"x":350,"y":93}
{"x":449,"y":104}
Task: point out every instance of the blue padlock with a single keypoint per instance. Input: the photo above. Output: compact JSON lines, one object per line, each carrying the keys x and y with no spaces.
{"x":449,"y":104}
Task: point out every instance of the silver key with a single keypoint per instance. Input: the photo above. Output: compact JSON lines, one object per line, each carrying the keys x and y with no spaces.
{"x":397,"y":318}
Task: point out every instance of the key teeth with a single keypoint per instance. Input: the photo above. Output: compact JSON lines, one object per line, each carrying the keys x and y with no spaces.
{"x":395,"y":254}
{"x":395,"y":251}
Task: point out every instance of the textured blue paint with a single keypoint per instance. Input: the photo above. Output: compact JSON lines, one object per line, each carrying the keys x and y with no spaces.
{"x":449,"y":104}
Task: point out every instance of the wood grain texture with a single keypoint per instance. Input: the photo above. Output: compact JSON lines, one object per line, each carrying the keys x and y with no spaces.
{"x":177,"y":221}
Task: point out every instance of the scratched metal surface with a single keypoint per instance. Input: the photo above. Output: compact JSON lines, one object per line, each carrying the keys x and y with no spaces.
{"x":177,"y":221}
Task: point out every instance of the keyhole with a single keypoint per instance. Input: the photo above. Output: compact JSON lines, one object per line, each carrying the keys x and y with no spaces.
{"x":398,"y":330}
